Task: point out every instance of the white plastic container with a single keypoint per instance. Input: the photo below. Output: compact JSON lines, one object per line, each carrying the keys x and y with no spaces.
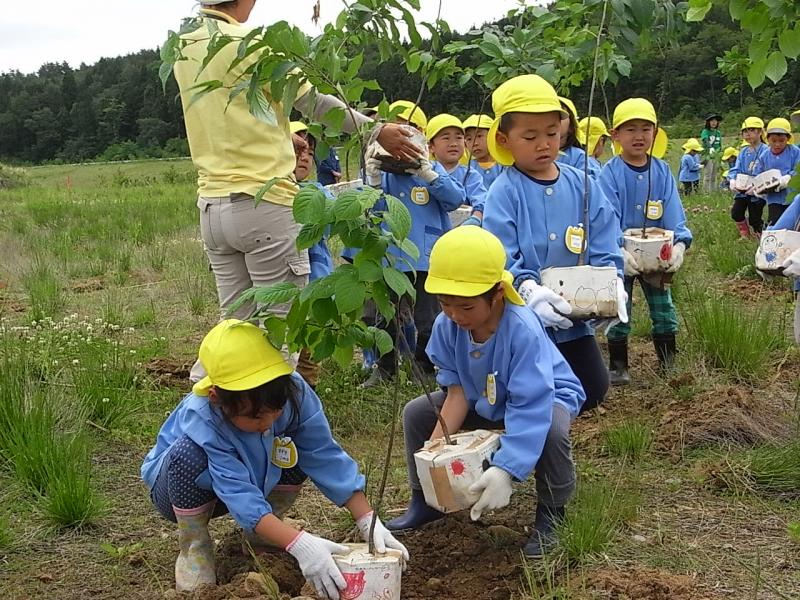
{"x":652,"y":253}
{"x":370,"y":576}
{"x":743,"y":182}
{"x":590,"y":291}
{"x":774,"y":248}
{"x":446,"y":472}
{"x":344,"y":186}
{"x":766,"y":181}
{"x":459,"y":215}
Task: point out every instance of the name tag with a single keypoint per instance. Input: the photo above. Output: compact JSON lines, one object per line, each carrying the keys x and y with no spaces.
{"x":491,"y":389}
{"x":655,"y":209}
{"x":573,"y":238}
{"x":284,"y":453}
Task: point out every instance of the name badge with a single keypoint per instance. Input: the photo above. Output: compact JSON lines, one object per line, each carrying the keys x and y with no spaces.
{"x":574,"y":239}
{"x":420,"y":195}
{"x":284,"y":453}
{"x":655,"y":209}
{"x":491,"y":389}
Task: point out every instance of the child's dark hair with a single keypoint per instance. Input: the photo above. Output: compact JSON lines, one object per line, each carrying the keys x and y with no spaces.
{"x":572,"y":132}
{"x":489,"y":294}
{"x":506,"y":122}
{"x":271,"y":396}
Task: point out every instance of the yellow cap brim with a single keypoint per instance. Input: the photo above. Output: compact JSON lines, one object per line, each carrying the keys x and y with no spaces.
{"x":249,"y":382}
{"x":470,"y":289}
{"x":502,"y":155}
{"x":659,"y":144}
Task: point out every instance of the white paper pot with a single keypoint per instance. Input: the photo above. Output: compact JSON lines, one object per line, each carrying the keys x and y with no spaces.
{"x":652,"y":253}
{"x":370,"y":576}
{"x":590,"y":291}
{"x":446,"y":472}
{"x":774,"y":248}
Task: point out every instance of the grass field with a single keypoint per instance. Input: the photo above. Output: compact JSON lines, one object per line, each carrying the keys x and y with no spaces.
{"x":689,"y":484}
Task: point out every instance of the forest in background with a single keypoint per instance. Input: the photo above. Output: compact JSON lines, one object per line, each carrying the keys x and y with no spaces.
{"x":116,"y":109}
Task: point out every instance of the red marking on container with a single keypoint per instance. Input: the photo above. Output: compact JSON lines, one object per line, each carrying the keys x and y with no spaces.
{"x":666,"y":251}
{"x":457,"y":466}
{"x":355,"y":585}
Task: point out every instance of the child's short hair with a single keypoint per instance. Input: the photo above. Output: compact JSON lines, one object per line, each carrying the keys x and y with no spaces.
{"x":271,"y":396}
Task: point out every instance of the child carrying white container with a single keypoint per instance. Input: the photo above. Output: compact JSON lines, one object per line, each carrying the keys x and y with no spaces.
{"x":749,"y":163}
{"x":501,"y":371}
{"x":790,"y":220}
{"x":783,"y":156}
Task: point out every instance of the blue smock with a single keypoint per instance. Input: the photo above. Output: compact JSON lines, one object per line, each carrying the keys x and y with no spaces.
{"x":785,"y":162}
{"x":490,"y":174}
{"x":690,"y":168}
{"x":473,"y":184}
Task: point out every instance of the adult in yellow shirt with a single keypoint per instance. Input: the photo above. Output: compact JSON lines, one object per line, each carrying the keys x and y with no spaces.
{"x":235,"y":154}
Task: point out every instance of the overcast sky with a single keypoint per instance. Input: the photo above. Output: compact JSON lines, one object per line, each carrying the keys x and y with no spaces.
{"x":79,"y":31}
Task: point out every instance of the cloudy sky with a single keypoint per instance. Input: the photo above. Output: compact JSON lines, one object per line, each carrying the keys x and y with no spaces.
{"x":79,"y":31}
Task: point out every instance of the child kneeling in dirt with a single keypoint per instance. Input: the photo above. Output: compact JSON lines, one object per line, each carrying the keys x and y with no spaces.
{"x":500,"y":370}
{"x":245,"y":430}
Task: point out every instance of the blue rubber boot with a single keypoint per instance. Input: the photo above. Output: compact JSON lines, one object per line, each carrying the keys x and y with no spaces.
{"x":544,"y":536}
{"x":417,"y":514}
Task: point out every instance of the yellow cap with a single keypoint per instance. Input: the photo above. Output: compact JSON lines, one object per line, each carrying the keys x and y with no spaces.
{"x":411,"y":114}
{"x":442,"y":121}
{"x":752,"y":123}
{"x":692,"y":144}
{"x":297,"y":126}
{"x":725,"y":172}
{"x":527,"y":94}
{"x":237,"y":356}
{"x":780,"y":125}
{"x":744,"y":142}
{"x":640,"y":108}
{"x":468,"y":261}
{"x":570,"y":106}
{"x":729,"y":152}
{"x":597,"y":129}
{"x":478,"y":121}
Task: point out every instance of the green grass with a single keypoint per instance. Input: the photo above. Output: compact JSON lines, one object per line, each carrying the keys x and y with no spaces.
{"x":45,"y":294}
{"x":776,"y":468}
{"x":630,"y":440}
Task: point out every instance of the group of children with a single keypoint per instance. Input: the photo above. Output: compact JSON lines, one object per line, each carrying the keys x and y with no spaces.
{"x":502,"y":346}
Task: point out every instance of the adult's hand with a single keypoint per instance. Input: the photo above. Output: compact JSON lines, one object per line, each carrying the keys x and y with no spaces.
{"x":299,"y":143}
{"x":395,"y":139}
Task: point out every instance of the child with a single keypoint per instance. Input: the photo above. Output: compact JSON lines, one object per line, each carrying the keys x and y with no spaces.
{"x":689,"y":174}
{"x":429,"y":193}
{"x":750,"y":162}
{"x":500,"y":371}
{"x":643,"y":191}
{"x":729,"y":159}
{"x":596,"y":143}
{"x":572,"y":152}
{"x":319,"y":255}
{"x":783,"y":155}
{"x":475,"y":129}
{"x":536,"y":208}
{"x":711,"y":138}
{"x":790,"y":219}
{"x":230,"y":444}
{"x":445,"y":136}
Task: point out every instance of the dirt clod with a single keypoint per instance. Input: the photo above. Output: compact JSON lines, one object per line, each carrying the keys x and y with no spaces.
{"x":644,"y":584}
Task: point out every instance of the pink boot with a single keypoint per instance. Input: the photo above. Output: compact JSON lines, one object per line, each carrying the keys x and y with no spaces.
{"x":744,"y":229}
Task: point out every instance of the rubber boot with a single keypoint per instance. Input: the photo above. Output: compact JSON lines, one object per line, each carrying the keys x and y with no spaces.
{"x":618,"y":362}
{"x":666,"y":350}
{"x":744,"y":230}
{"x":544,"y":536}
{"x":417,"y":514}
{"x":195,"y":564}
{"x":378,"y":377}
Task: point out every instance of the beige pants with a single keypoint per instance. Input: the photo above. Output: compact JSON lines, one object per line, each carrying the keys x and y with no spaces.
{"x":247,"y":245}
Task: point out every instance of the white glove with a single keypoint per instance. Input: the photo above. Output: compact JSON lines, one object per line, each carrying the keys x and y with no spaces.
{"x":381,"y":537}
{"x":622,"y":301}
{"x":494,"y":486}
{"x":784,"y":182}
{"x":372,"y":169}
{"x":732,"y":185}
{"x":631,"y":267}
{"x":676,"y":260}
{"x":546,"y":303}
{"x":313,"y":555}
{"x":791,"y":266}
{"x":425,"y":171}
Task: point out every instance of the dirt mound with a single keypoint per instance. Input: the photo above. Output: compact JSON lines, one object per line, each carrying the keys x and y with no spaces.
{"x":644,"y":584}
{"x":727,"y":414}
{"x":170,"y":372}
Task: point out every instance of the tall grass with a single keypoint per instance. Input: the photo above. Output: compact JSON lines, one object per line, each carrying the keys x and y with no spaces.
{"x":776,"y":468}
{"x":629,"y":440}
{"x":730,"y":336}
{"x":45,"y":294}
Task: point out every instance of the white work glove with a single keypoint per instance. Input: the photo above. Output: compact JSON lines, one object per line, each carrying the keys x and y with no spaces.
{"x":313,"y":555}
{"x":546,"y":303}
{"x":676,"y":260}
{"x":372,"y":169}
{"x":631,"y":267}
{"x":791,"y":266}
{"x":783,"y":183}
{"x":381,"y":537}
{"x":425,"y":171}
{"x":494,"y":486}
{"x":622,"y":301}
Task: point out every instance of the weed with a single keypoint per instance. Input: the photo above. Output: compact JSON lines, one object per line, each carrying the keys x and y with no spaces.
{"x":113,"y":311}
{"x":145,"y":315}
{"x":732,"y":258}
{"x":6,"y":535}
{"x":541,"y":580}
{"x":793,"y":531}
{"x":71,"y":501}
{"x":731,"y":337}
{"x":44,"y":291}
{"x":776,"y":468}
{"x":630,"y":440}
{"x":157,"y":256}
{"x":196,"y":292}
{"x":593,"y":518}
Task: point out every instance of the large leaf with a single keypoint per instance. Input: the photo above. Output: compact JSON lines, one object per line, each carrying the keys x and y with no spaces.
{"x":368,"y":269}
{"x":776,"y":67}
{"x":380,"y":293}
{"x":698,"y":9}
{"x":277,"y":293}
{"x":398,"y":218}
{"x":343,"y":354}
{"x":397,"y":281}
{"x":309,"y":236}
{"x":347,"y":206}
{"x":309,"y":205}
{"x":789,"y":42}
{"x":350,"y":293}
{"x":324,"y":310}
{"x":755,"y":74}
{"x":383,"y":341}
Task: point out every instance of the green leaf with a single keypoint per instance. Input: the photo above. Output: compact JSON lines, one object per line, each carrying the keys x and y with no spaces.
{"x":347,"y":206}
{"x":368,"y":269}
{"x":276,"y":330}
{"x":398,"y":218}
{"x":413,"y":62}
{"x":258,"y":104}
{"x":296,"y":317}
{"x":789,"y":42}
{"x":698,"y":9}
{"x":776,"y":67}
{"x":324,"y":310}
{"x":396,"y":280}
{"x":325,"y":346}
{"x":277,"y":293}
{"x":343,"y":355}
{"x":409,"y":248}
{"x":309,"y":205}
{"x":349,"y":292}
{"x":737,"y":8}
{"x":755,"y":74}
{"x":309,"y":235}
{"x":383,"y":341}
{"x":164,"y":72}
{"x":380,"y":293}
{"x":266,"y":187}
